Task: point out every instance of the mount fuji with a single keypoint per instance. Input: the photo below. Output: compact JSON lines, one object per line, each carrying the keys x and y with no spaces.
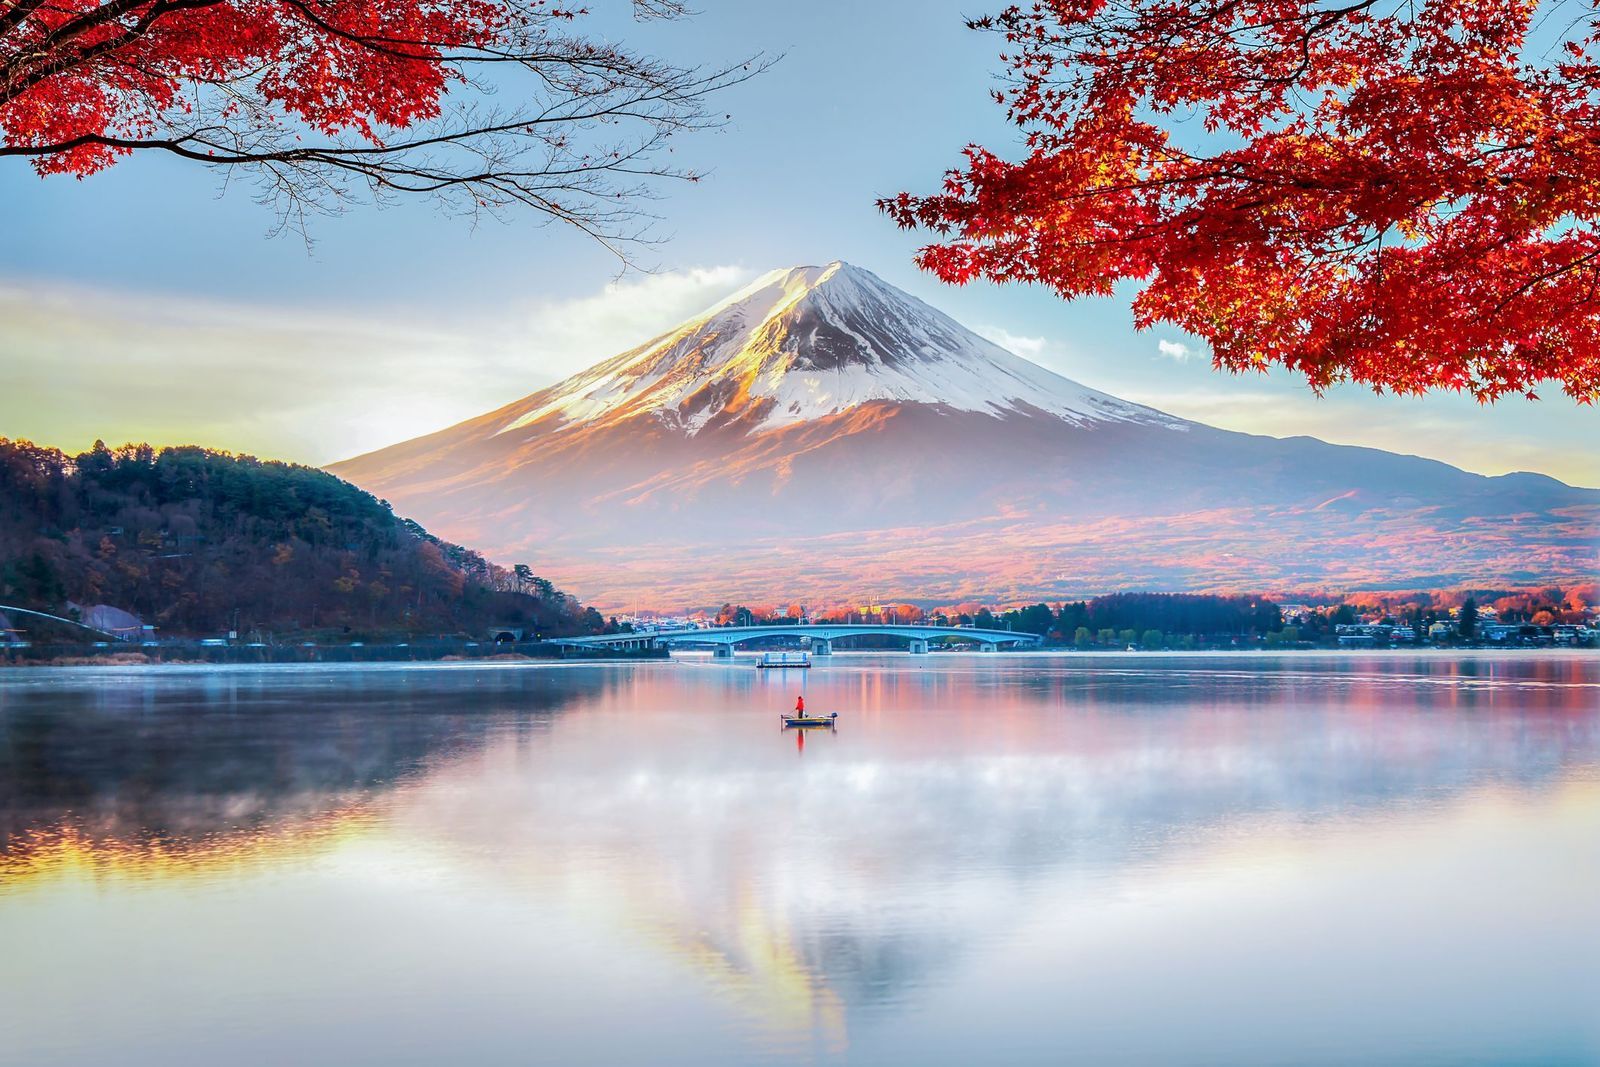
{"x":821,"y":435}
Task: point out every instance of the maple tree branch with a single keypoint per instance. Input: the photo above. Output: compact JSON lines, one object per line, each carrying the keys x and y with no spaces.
{"x":1392,"y":193}
{"x":17,"y":13}
{"x":1544,"y":276}
{"x":145,"y":65}
{"x":19,"y":78}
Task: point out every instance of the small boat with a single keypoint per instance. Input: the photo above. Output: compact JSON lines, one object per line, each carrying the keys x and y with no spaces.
{"x":784,"y":660}
{"x":809,"y":722}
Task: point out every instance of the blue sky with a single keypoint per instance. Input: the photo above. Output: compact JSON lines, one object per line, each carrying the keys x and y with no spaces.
{"x":147,"y":303}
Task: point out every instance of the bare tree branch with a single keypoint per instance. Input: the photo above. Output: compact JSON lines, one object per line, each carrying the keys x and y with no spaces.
{"x":585,"y":138}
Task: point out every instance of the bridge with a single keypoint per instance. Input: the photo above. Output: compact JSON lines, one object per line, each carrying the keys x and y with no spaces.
{"x":8,"y":609}
{"x":820,"y":637}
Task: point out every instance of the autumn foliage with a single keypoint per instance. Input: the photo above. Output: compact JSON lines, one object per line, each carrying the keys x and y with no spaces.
{"x":484,"y":104}
{"x":1402,"y":195}
{"x":198,"y":542}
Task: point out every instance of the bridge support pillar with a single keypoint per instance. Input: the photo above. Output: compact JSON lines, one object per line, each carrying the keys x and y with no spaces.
{"x":919,"y":647}
{"x":988,"y":646}
{"x":723,"y":651}
{"x":819,"y":647}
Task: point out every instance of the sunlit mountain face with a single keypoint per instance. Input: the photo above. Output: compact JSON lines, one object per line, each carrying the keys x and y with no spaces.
{"x":821,"y":434}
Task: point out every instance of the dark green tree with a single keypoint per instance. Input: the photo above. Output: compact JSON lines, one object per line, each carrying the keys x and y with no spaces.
{"x":1038,"y":619}
{"x":193,"y":540}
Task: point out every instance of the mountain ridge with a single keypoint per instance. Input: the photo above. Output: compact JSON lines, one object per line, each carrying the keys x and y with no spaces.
{"x":802,"y":342}
{"x":820,"y":403}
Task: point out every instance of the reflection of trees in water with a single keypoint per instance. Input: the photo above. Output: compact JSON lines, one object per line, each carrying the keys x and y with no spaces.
{"x":1428,"y":680}
{"x":810,"y":889}
{"x":889,"y":857}
{"x":175,"y":760}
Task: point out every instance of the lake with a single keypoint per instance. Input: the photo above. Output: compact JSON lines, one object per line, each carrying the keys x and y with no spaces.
{"x":994,"y":859}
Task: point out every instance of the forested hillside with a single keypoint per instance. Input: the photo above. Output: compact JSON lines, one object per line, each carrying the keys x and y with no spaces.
{"x":195,"y":542}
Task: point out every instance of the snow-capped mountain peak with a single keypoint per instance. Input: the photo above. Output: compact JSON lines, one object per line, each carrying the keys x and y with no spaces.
{"x":802,"y":343}
{"x":820,"y":433}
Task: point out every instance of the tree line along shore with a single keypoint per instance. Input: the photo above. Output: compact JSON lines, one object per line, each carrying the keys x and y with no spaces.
{"x":138,"y":543}
{"x":188,"y":554}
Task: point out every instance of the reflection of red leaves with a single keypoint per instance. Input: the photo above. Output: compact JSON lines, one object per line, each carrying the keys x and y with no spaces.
{"x":1403,"y":200}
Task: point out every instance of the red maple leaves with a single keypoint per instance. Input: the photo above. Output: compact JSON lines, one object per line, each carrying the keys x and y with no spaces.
{"x":88,"y":75}
{"x":1403,"y":196}
{"x":486,"y":103}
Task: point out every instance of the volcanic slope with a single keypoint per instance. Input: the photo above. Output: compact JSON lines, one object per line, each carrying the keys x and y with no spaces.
{"x":821,"y":435}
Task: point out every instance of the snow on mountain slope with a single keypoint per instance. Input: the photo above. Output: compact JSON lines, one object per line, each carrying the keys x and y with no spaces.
{"x":820,"y":432}
{"x":807,"y":342}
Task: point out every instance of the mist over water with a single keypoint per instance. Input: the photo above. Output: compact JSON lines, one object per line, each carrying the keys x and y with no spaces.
{"x":994,"y":859}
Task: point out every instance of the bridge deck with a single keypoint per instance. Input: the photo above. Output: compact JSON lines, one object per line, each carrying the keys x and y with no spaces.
{"x":823,"y":633}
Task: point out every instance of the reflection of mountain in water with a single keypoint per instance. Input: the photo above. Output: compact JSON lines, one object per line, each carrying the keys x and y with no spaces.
{"x":841,"y":883}
{"x":813,"y":890}
{"x":178,"y":758}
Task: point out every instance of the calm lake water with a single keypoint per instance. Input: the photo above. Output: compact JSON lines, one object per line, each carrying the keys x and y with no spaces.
{"x":1003,"y":859}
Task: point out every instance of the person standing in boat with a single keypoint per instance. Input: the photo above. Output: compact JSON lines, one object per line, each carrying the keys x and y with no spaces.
{"x":800,"y":705}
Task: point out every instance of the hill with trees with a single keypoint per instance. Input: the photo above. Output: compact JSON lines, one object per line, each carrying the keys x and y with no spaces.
{"x":195,"y":541}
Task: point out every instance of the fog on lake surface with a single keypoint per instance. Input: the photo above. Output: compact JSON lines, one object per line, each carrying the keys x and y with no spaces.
{"x":1030,"y":858}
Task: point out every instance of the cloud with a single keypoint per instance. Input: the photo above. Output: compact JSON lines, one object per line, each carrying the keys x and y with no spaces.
{"x":1032,"y":348}
{"x":288,"y":383}
{"x":315,"y":386}
{"x":570,"y":335}
{"x":1175,"y":350}
{"x":1047,"y":352}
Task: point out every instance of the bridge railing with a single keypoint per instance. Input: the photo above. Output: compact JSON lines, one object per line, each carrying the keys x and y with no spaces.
{"x":820,"y":631}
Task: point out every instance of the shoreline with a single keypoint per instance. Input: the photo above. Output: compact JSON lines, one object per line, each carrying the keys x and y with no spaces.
{"x":396,"y":656}
{"x":196,"y":655}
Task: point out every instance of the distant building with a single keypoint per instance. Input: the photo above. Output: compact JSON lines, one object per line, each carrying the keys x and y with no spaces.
{"x":1294,"y":614}
{"x":1508,"y":633}
{"x":1566,"y":634}
{"x":1361,"y":634}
